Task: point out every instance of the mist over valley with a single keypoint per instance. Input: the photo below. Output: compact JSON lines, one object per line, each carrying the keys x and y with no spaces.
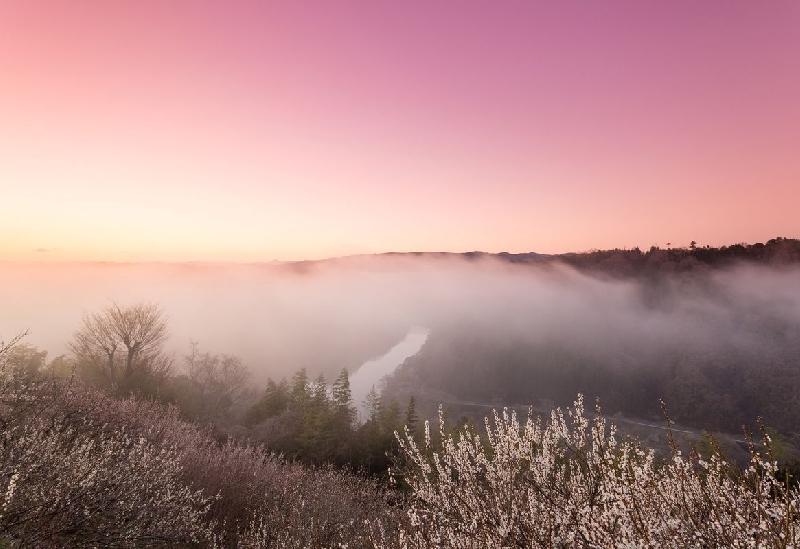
{"x":714,"y":333}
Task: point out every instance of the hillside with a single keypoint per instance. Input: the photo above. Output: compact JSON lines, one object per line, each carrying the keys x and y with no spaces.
{"x":712,"y":331}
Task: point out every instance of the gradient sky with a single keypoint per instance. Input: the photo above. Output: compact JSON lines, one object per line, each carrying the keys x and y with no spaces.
{"x":250,"y":131}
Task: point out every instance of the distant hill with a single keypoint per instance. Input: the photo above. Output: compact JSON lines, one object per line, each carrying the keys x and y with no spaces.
{"x":656,"y":261}
{"x":617,"y":262}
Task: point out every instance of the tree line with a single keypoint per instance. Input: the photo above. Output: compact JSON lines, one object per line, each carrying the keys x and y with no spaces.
{"x":660,"y":261}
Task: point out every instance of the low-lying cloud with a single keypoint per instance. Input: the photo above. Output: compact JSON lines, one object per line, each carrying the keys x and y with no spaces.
{"x":331,"y":315}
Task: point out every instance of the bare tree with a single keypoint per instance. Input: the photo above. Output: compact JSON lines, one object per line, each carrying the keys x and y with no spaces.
{"x":220,"y":381}
{"x":5,"y":347}
{"x":124,"y":342}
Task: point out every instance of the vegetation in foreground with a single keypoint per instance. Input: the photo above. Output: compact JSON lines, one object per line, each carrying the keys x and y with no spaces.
{"x":80,"y":467}
{"x":571,"y":482}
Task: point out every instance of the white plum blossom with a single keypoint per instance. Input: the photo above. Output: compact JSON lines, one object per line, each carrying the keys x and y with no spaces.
{"x":569,"y":482}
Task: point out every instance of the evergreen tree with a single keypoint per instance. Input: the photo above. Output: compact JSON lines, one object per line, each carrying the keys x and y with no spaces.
{"x":412,"y":419}
{"x":299,"y":389}
{"x":390,"y":418}
{"x":316,"y":437}
{"x":343,"y":399}
{"x":273,"y":402}
{"x":319,"y":392}
{"x":372,"y":403}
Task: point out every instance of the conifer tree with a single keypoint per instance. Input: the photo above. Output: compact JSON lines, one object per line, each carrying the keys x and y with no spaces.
{"x":372,"y":403}
{"x":343,"y":398}
{"x":273,"y":402}
{"x":299,"y":389}
{"x":411,"y":415}
{"x":319,"y":392}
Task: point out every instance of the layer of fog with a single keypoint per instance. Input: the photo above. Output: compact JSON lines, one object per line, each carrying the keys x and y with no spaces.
{"x":337,"y":314}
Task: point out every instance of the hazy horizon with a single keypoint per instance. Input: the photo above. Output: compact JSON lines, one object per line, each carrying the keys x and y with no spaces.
{"x":279,"y":262}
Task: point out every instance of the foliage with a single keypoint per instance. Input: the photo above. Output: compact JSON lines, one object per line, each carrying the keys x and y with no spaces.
{"x":746,"y":365}
{"x":658,"y":262}
{"x":99,"y":464}
{"x":75,"y":480}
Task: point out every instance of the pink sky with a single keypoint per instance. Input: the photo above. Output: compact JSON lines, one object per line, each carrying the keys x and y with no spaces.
{"x":249,"y":131}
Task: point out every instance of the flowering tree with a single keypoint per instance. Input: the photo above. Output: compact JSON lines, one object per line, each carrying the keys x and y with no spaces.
{"x":74,"y":479}
{"x":569,"y":482}
{"x":71,"y":488}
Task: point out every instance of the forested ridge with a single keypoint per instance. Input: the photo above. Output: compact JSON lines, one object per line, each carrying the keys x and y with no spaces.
{"x":741,"y":362}
{"x":656,"y":260}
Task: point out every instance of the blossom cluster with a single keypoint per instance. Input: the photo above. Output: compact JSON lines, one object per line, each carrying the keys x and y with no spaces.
{"x":572,"y":482}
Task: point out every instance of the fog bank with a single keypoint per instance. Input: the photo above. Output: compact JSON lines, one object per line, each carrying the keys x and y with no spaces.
{"x":338,"y":314}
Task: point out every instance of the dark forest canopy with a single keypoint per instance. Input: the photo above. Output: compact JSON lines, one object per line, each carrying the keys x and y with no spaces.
{"x":693,"y":258}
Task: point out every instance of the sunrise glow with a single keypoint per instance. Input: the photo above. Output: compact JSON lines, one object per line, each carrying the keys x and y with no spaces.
{"x":254,"y":131}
